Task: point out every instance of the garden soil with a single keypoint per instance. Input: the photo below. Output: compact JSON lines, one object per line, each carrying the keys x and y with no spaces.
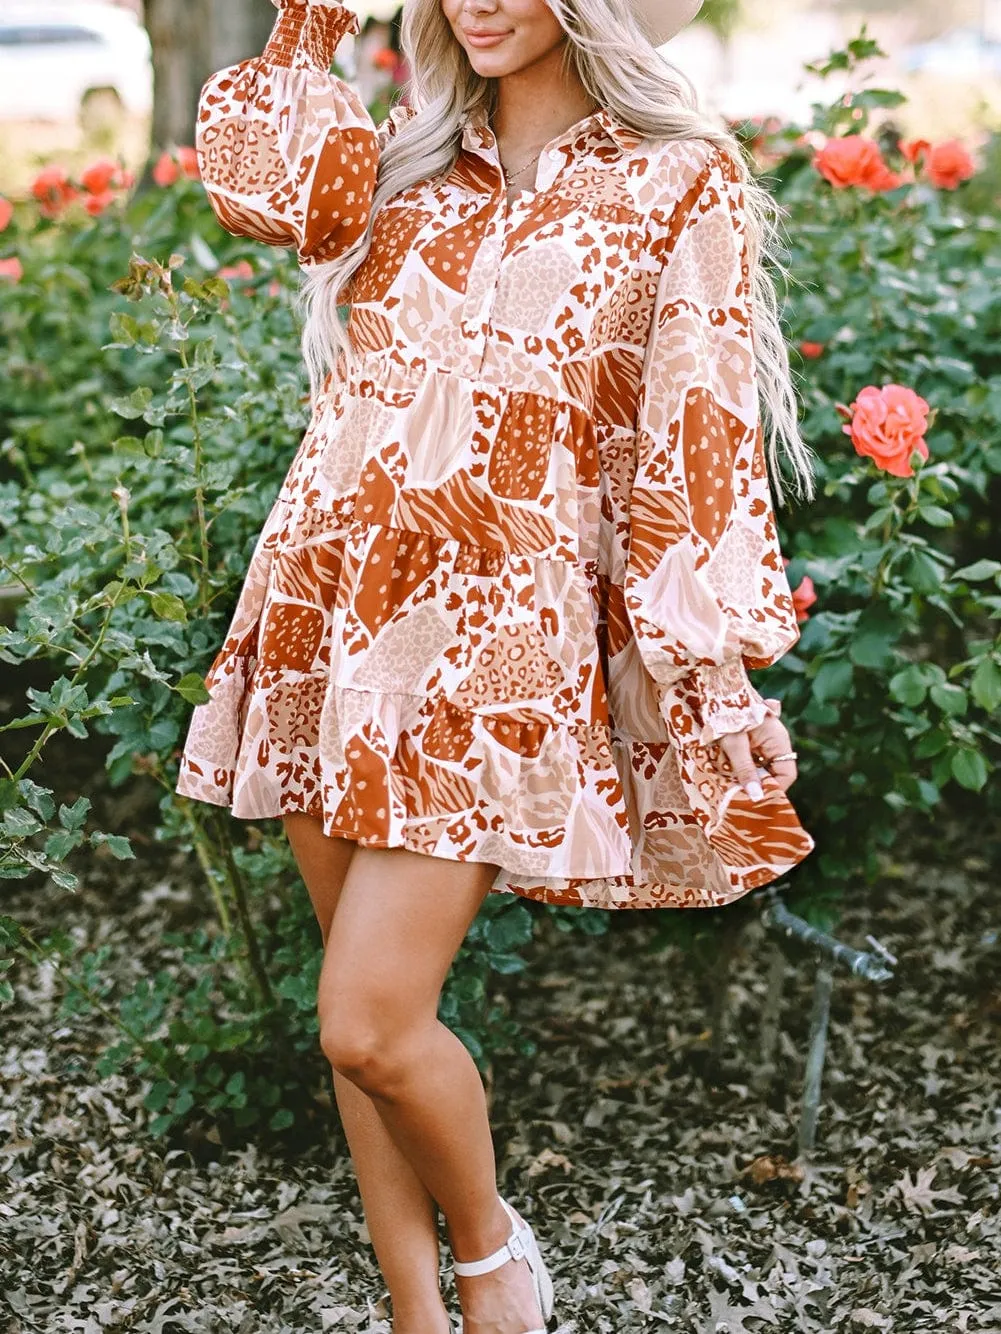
{"x":666,"y":1190}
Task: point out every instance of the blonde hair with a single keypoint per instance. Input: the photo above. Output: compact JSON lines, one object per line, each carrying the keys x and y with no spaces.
{"x":611,"y":56}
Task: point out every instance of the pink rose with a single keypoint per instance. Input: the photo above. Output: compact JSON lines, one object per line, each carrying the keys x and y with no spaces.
{"x":166,"y":171}
{"x":242,"y":269}
{"x":11,"y":269}
{"x":188,"y":160}
{"x":6,"y":213}
{"x":888,"y":425}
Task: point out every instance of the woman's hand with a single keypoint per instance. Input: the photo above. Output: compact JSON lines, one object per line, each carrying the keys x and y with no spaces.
{"x":760,"y":745}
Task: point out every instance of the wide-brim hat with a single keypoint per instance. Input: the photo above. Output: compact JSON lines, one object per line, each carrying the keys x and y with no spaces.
{"x":664,"y":19}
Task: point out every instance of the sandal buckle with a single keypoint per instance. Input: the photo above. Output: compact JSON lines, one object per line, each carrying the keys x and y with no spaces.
{"x":516,"y":1245}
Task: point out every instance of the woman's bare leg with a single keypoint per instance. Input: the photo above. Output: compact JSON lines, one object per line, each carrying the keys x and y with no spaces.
{"x":401,"y":1215}
{"x":400,"y":919}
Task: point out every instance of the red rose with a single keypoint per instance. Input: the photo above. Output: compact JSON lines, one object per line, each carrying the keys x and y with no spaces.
{"x":101,"y":175}
{"x":97,"y":204}
{"x":888,"y":425}
{"x":803,"y":596}
{"x":855,"y":161}
{"x":948,"y":165}
{"x":914,"y":149}
{"x":53,"y":191}
{"x":813,"y":351}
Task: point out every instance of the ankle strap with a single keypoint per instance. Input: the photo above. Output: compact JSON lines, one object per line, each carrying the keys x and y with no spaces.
{"x":515,"y":1248}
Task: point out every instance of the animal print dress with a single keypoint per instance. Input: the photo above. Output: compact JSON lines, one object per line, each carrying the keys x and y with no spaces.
{"x":505,"y":603}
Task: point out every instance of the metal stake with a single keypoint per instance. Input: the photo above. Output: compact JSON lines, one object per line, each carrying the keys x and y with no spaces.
{"x":822,"y":987}
{"x":771,"y":1013}
{"x":873,"y":967}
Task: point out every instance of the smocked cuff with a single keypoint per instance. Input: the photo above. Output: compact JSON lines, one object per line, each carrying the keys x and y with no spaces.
{"x":308,"y":32}
{"x":729,"y":702}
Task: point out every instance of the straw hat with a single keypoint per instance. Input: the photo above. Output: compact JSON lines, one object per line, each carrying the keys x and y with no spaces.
{"x":664,"y":19}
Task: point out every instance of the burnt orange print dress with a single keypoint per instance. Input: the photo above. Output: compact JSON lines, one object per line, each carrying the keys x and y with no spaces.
{"x":506,"y":601}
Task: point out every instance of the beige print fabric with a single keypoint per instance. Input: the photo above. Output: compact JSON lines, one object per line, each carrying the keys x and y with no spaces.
{"x":505,"y":604}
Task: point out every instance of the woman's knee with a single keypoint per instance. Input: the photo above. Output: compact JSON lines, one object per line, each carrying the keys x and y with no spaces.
{"x":365,"y":1045}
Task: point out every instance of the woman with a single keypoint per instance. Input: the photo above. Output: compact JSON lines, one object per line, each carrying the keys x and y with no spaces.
{"x":495,"y":634}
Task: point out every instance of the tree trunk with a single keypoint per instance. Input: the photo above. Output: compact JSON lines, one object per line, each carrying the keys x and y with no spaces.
{"x":240,"y":29}
{"x":179,"y":33}
{"x":190,"y":39}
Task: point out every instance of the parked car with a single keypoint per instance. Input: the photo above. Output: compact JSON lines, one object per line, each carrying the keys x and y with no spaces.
{"x":62,"y":62}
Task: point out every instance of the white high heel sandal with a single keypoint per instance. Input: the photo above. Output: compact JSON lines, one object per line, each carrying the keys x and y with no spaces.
{"x":520,"y":1245}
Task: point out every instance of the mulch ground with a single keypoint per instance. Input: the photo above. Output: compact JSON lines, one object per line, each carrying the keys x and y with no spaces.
{"x":666,"y":1191}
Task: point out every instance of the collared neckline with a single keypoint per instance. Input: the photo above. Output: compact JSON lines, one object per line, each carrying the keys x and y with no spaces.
{"x":477,"y":134}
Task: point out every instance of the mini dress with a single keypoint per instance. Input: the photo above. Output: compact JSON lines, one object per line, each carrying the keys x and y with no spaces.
{"x":507,"y":599}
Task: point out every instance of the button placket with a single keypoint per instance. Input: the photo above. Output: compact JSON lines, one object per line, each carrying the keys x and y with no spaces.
{"x":480,"y":289}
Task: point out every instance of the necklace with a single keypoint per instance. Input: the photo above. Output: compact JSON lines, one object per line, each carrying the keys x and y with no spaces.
{"x":513,"y":175}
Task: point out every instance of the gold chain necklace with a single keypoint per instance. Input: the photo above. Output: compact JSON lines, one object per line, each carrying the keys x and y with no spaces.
{"x":513,"y":175}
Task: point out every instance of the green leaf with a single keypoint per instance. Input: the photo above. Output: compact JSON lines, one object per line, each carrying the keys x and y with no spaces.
{"x":281,"y":1119}
{"x":38,"y":798}
{"x":169,"y":607}
{"x":932,"y":743}
{"x":923,"y":573}
{"x":158,"y":1096}
{"x":980,"y":569}
{"x":909,"y":686}
{"x":193,"y":689}
{"x":130,"y":445}
{"x":936,"y":516}
{"x":20,"y":823}
{"x":951,"y":699}
{"x":969,"y":768}
{"x":133,"y":405}
{"x":985,"y":685}
{"x":124,"y":329}
{"x":184,"y":1102}
{"x":59,"y":845}
{"x":117,"y":845}
{"x":871,"y":650}
{"x":833,"y":680}
{"x":74,"y":817}
{"x":508,"y":930}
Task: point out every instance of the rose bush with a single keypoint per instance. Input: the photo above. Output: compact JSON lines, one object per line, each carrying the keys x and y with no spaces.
{"x":150,"y":407}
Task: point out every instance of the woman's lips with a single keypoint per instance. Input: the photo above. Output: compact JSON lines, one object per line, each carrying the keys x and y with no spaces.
{"x":490,"y":40}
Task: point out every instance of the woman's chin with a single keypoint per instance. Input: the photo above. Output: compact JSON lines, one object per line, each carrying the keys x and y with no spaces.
{"x":491,"y":64}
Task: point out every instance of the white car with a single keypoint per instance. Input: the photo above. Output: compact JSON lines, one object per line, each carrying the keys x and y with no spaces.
{"x":62,"y":62}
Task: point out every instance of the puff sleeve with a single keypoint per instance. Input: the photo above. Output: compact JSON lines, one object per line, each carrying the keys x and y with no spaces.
{"x":705,"y":586}
{"x":288,"y":152}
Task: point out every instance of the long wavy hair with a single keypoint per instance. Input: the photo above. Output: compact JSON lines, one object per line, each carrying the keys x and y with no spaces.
{"x":618,"y":67}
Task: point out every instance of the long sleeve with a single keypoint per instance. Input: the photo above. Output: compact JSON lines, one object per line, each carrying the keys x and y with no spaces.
{"x":705,"y":586}
{"x":288,"y":152}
